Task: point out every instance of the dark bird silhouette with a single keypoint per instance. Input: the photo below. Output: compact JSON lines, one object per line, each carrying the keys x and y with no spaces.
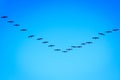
{"x":79,"y":46}
{"x":115,"y":29}
{"x":39,"y":38}
{"x":10,"y":21}
{"x":65,"y":51}
{"x":89,"y":42}
{"x":95,"y":37}
{"x":69,"y":49}
{"x":51,"y":45}
{"x":4,"y":16}
{"x":83,"y":43}
{"x":30,"y":36}
{"x":57,"y":49}
{"x":101,"y":34}
{"x":16,"y":24}
{"x":108,"y":31}
{"x":23,"y":29}
{"x":45,"y":42}
{"x":74,"y":46}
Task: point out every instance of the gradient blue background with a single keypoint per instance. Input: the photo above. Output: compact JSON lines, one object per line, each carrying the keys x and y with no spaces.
{"x":63,"y":23}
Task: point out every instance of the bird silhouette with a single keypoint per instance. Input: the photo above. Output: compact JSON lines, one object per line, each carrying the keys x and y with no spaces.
{"x":23,"y":29}
{"x":115,"y":29}
{"x":74,"y":46}
{"x":89,"y":42}
{"x":108,"y":31}
{"x":65,"y":51}
{"x":57,"y":49}
{"x":16,"y":24}
{"x":101,"y":34}
{"x":83,"y":43}
{"x":51,"y":45}
{"x":69,"y":49}
{"x":30,"y":36}
{"x":39,"y":38}
{"x":45,"y":42}
{"x":95,"y":37}
{"x":10,"y":21}
{"x":4,"y":16}
{"x":79,"y":46}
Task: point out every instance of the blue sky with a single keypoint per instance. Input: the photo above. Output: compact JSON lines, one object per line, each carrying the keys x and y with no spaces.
{"x":63,"y":23}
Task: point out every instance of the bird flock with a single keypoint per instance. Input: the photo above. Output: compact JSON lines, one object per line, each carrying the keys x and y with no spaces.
{"x":52,"y":45}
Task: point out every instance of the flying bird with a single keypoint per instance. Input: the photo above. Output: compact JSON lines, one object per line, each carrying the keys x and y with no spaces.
{"x":4,"y":16}
{"x":74,"y":46}
{"x":16,"y":24}
{"x":45,"y":42}
{"x":69,"y":49}
{"x":39,"y":38}
{"x":108,"y":31}
{"x":30,"y":36}
{"x":115,"y":29}
{"x":83,"y":43}
{"x":95,"y":37}
{"x":101,"y":34}
{"x":65,"y":51}
{"x":51,"y":45}
{"x":89,"y":42}
{"x":57,"y":49}
{"x":79,"y":46}
{"x":23,"y":29}
{"x":10,"y":21}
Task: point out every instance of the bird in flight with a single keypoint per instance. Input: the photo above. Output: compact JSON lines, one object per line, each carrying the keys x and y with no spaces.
{"x":95,"y":37}
{"x":39,"y":38}
{"x":23,"y":29}
{"x":51,"y":45}
{"x":82,"y":43}
{"x":10,"y":21}
{"x":45,"y":42}
{"x":101,"y":34}
{"x":65,"y":51}
{"x":115,"y":29}
{"x":74,"y":46}
{"x":30,"y":36}
{"x":69,"y":49}
{"x":108,"y":31}
{"x":16,"y":24}
{"x":57,"y":49}
{"x":89,"y":42}
{"x":79,"y":46}
{"x":4,"y":16}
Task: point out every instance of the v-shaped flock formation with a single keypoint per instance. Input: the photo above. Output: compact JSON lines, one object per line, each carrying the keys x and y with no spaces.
{"x":52,"y":45}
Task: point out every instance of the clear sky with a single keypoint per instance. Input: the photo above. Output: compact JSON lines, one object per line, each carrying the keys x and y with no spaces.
{"x":63,"y":23}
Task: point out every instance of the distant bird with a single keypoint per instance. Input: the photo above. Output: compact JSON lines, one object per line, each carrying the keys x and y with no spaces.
{"x":101,"y":34}
{"x":79,"y":46}
{"x":65,"y":51}
{"x":30,"y":36}
{"x":69,"y":49}
{"x":89,"y":42}
{"x":51,"y":45}
{"x":16,"y":24}
{"x":57,"y":49}
{"x":108,"y":31}
{"x":4,"y":16}
{"x":83,"y":43}
{"x":95,"y":37}
{"x":74,"y":46}
{"x":116,"y":29}
{"x":39,"y":38}
{"x":10,"y":21}
{"x":45,"y":42}
{"x":23,"y":29}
